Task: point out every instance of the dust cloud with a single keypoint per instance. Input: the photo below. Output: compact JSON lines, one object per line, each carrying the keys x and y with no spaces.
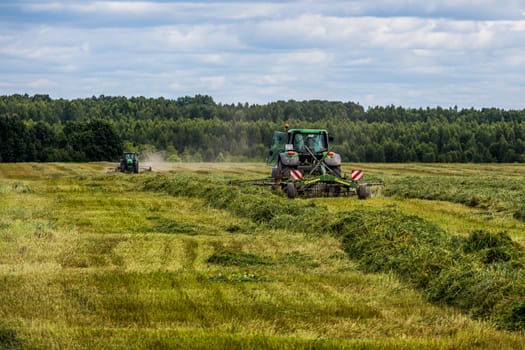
{"x":156,"y":162}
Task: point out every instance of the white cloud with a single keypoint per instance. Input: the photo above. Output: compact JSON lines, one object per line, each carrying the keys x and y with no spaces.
{"x":306,"y":57}
{"x":118,"y":7}
{"x":212,"y":83}
{"x":380,"y":52}
{"x":515,"y":60}
{"x":195,"y":37}
{"x":517,"y":26}
{"x":428,"y":69}
{"x":162,"y":12}
{"x":274,"y":79}
{"x":42,"y":84}
{"x":211,"y":58}
{"x":374,"y":32}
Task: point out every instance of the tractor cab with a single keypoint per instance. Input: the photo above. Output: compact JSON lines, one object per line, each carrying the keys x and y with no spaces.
{"x":306,"y":144}
{"x":304,"y":150}
{"x":130,"y":157}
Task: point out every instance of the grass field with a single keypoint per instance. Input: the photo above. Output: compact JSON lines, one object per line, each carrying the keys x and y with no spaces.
{"x":97,"y":260}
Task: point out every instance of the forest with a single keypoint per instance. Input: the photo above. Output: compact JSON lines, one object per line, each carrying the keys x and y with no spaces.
{"x":42,"y":129}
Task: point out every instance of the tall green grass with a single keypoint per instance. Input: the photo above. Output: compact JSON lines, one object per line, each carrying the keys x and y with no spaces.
{"x":483,"y":275}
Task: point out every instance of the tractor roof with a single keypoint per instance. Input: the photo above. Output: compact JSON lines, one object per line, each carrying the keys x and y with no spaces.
{"x":307,"y":131}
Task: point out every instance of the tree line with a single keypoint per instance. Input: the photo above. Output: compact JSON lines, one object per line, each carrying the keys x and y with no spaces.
{"x":39,"y":128}
{"x":30,"y":141}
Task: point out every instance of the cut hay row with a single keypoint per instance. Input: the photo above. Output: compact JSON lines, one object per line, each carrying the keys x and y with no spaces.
{"x":482,"y":275}
{"x":496,"y":194}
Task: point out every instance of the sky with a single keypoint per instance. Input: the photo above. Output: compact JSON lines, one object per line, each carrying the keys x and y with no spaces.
{"x":409,"y":53}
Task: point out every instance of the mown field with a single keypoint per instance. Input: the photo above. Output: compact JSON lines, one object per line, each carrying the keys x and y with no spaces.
{"x":180,"y":258}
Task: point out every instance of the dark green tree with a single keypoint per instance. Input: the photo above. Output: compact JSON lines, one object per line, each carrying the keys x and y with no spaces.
{"x":13,"y":139}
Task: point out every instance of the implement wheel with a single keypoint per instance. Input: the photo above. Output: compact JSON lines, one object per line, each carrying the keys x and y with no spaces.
{"x":362,"y":193}
{"x":291,"y":190}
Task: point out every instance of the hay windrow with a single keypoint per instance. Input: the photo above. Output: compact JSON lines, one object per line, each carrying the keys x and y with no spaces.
{"x":493,"y":193}
{"x":234,"y":258}
{"x":482,"y":274}
{"x":445,"y":268}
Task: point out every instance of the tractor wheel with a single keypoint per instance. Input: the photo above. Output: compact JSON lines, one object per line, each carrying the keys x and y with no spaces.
{"x":283,"y":171}
{"x":362,"y":193}
{"x":291,"y":190}
{"x":276,"y":180}
{"x":275,"y":173}
{"x":279,"y":173}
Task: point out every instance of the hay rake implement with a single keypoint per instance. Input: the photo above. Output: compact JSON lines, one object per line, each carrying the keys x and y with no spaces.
{"x":303,"y":166}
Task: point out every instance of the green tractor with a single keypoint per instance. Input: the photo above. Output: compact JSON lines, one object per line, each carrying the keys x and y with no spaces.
{"x":303,"y":164}
{"x":129,"y":163}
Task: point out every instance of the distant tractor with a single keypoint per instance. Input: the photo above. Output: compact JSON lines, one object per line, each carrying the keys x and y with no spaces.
{"x":129,"y":163}
{"x":303,"y":164}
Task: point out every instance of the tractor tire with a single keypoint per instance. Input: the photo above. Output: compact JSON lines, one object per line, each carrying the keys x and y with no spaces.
{"x":275,"y":173}
{"x":283,"y":171}
{"x":291,"y":190}
{"x":362,"y":193}
{"x":279,"y":173}
{"x":276,"y":179}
